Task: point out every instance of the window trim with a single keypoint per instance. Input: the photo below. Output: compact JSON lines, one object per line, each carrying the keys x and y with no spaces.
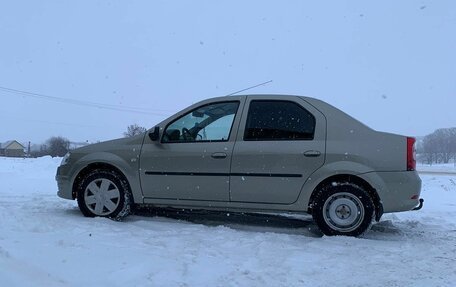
{"x":191,"y":111}
{"x":282,"y":139}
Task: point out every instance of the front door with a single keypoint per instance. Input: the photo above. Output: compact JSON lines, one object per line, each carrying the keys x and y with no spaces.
{"x":192,"y":160}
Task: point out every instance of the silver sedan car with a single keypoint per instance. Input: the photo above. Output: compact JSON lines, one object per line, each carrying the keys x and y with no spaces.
{"x":251,"y":153}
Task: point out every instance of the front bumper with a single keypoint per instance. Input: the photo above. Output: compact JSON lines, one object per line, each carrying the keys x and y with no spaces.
{"x":65,"y":189}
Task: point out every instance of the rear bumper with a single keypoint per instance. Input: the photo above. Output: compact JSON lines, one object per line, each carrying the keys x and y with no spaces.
{"x":398,"y":191}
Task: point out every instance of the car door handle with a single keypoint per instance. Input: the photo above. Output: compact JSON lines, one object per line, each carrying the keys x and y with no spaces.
{"x":218,"y":155}
{"x":312,"y":153}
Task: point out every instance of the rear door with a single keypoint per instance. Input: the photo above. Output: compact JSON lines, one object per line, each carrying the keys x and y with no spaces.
{"x":280,"y":143}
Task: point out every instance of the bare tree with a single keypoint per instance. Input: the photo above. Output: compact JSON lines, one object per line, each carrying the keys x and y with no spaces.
{"x":134,"y":130}
{"x":440,"y":146}
{"x":429,"y":149}
{"x":57,"y":146}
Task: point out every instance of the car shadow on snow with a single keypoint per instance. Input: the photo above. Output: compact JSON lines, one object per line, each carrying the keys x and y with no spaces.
{"x":250,"y":222}
{"x":263,"y":222}
{"x":385,"y":230}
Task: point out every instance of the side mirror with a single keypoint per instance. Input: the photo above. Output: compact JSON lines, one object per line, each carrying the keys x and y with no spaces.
{"x":155,"y":134}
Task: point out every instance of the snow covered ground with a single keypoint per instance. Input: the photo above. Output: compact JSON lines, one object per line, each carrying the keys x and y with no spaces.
{"x":437,"y":168}
{"x":45,"y":241}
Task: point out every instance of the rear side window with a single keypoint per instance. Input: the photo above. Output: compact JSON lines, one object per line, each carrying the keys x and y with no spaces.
{"x":278,"y":120}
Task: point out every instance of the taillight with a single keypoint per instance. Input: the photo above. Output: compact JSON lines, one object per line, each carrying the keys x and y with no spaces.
{"x":411,"y":154}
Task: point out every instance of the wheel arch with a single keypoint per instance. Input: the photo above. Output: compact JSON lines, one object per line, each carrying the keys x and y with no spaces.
{"x":353,"y":179}
{"x":93,"y":166}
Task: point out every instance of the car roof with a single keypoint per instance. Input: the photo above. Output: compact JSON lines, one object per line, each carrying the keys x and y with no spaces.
{"x":278,"y":96}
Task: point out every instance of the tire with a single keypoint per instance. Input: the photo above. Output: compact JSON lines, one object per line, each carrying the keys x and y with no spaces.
{"x":104,"y":193}
{"x":343,"y":209}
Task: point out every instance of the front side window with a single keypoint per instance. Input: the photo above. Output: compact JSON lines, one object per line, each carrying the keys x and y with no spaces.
{"x":211,"y":122}
{"x":278,"y":120}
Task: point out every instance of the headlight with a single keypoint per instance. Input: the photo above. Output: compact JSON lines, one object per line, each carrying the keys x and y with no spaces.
{"x":65,"y":159}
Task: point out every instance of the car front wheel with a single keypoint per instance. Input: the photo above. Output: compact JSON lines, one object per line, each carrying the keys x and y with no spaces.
{"x":343,"y":209}
{"x":104,"y":193}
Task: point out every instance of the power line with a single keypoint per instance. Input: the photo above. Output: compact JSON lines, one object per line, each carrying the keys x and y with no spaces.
{"x":79,"y":102}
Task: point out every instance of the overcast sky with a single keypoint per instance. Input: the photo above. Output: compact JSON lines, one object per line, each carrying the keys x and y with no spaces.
{"x":390,"y":64}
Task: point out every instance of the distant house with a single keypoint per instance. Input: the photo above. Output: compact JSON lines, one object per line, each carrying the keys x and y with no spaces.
{"x":12,"y":149}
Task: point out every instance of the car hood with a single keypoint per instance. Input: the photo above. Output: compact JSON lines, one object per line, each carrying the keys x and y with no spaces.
{"x":112,"y":145}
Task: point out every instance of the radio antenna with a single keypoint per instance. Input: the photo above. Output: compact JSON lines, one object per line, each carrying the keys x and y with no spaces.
{"x":249,"y":88}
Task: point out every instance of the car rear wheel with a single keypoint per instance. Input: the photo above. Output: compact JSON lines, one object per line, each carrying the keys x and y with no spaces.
{"x":343,"y":209}
{"x":104,"y":193}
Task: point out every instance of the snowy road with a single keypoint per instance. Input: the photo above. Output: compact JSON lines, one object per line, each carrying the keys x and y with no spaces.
{"x":45,"y":241}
